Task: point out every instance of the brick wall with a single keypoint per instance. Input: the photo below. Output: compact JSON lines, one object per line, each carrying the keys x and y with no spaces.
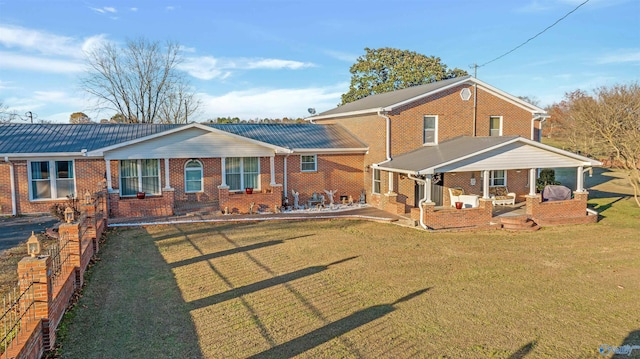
{"x":572,"y":211}
{"x":212,"y":177}
{"x":150,"y":206}
{"x":5,"y":188}
{"x":458,"y":218}
{"x":240,"y":202}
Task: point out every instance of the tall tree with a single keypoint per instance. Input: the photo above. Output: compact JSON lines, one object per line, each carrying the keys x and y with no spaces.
{"x":79,"y":117}
{"x":608,"y":125}
{"x":387,"y":69}
{"x":140,"y":81}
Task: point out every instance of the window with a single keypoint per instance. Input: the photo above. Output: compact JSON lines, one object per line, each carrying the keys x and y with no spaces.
{"x":430,"y":130}
{"x":242,"y":172}
{"x":193,"y":176}
{"x":498,"y":178}
{"x":139,"y":176}
{"x":376,"y":181}
{"x":47,"y":185}
{"x":308,"y":163}
{"x":495,"y":126}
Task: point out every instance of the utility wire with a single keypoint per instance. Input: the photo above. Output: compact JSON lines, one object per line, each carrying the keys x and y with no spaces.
{"x":531,"y":38}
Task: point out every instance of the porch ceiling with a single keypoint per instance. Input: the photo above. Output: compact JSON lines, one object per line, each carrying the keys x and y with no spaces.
{"x":465,"y":154}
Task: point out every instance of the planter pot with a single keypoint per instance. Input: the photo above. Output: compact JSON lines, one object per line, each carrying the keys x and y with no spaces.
{"x":141,"y":195}
{"x":248,"y":190}
{"x":459,"y":205}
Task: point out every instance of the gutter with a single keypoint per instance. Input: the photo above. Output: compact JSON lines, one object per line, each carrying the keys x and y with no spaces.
{"x":422,"y":200}
{"x":538,"y":116}
{"x":14,"y":205}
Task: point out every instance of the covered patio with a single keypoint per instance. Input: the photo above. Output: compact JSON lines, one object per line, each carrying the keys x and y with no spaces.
{"x":479,"y":169}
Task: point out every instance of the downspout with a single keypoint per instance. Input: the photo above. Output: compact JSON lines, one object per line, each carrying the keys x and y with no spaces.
{"x":422,"y":200}
{"x":475,"y":107}
{"x":285,"y":176}
{"x":542,"y":118}
{"x":388,"y":129}
{"x":14,"y":205}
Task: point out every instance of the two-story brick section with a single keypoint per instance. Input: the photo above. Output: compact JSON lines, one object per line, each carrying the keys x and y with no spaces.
{"x":411,"y":151}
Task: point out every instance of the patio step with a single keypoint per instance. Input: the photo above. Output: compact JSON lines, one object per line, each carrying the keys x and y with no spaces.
{"x":518,"y":223}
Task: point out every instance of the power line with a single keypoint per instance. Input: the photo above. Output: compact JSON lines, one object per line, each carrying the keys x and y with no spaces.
{"x":531,"y":38}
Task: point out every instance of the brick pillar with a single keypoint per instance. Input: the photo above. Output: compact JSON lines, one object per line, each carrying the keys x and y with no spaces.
{"x":40,"y":268}
{"x":71,"y":232}
{"x":532,"y":204}
{"x":486,"y":206}
{"x":429,"y":209}
{"x":276,"y":189}
{"x":223,"y":196}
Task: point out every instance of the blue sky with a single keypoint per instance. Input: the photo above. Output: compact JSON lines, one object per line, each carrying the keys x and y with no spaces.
{"x":276,"y":58}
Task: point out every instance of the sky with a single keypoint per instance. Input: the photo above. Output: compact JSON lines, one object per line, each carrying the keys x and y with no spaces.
{"x":277,"y":58}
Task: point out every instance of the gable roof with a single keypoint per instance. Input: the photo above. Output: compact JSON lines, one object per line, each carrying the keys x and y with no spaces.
{"x":73,"y":139}
{"x":388,"y":101}
{"x":457,"y":154}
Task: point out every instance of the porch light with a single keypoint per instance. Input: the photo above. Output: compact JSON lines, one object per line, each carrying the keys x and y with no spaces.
{"x":366,"y":168}
{"x":33,"y":245}
{"x":68,"y":215}
{"x":87,"y":197}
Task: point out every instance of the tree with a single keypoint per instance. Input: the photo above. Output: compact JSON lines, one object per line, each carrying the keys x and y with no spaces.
{"x":387,"y":69}
{"x":140,"y":81}
{"x":608,"y":125}
{"x":79,"y":117}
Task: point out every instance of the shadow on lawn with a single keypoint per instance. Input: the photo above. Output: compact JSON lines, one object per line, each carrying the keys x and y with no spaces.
{"x":333,"y":330}
{"x":524,"y":350}
{"x":236,"y":250}
{"x":264,"y":284}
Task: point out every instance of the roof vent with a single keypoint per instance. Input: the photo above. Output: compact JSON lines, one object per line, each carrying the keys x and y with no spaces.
{"x":465,"y":94}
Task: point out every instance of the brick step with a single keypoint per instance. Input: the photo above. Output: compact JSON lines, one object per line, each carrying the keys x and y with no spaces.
{"x":514,"y":220}
{"x":519,"y":224}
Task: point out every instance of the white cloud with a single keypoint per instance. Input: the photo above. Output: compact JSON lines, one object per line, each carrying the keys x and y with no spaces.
{"x":46,"y":43}
{"x":535,"y":6}
{"x":620,"y":56}
{"x":271,"y":103}
{"x":208,"y":67}
{"x":133,"y":9}
{"x":104,"y":10}
{"x":342,"y":56}
{"x":170,"y":8}
{"x":41,"y":64}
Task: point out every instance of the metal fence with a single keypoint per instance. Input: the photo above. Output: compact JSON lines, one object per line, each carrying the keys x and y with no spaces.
{"x":59,"y":253}
{"x":18,"y":309}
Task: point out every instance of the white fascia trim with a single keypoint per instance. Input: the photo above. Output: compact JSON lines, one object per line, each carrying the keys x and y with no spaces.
{"x":42,"y":155}
{"x":426,"y":94}
{"x":100,"y":152}
{"x":396,"y":170}
{"x":328,"y":150}
{"x":344,"y":114}
{"x":510,"y":98}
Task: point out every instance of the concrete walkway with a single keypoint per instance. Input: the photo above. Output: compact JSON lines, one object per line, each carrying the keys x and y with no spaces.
{"x":365,"y":213}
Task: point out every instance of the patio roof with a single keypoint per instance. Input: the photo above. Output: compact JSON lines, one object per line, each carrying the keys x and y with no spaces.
{"x":464,"y":154}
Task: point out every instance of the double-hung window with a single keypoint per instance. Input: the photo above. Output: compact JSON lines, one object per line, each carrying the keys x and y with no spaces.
{"x":242,"y":172}
{"x":430,"y":124}
{"x":193,"y":176}
{"x":495,"y":126}
{"x":308,"y":163}
{"x":498,"y":178}
{"x":51,"y":179}
{"x":376,"y":181}
{"x":139,"y":176}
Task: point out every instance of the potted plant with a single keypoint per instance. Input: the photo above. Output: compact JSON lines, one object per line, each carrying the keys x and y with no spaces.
{"x":249,"y":190}
{"x":459,"y":205}
{"x":140,"y":195}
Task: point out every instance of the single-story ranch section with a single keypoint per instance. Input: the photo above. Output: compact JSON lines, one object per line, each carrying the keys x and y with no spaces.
{"x":413,"y":152}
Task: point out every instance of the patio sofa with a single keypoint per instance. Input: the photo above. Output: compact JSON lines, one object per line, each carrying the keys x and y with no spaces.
{"x":468,"y":200}
{"x":500,"y":195}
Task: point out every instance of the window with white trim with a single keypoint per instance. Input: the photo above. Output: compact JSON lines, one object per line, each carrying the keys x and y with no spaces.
{"x":242,"y":172}
{"x":308,"y":163}
{"x":139,"y":176}
{"x":51,"y":179}
{"x":495,"y":126}
{"x":193,"y":176}
{"x":376,"y":181}
{"x":430,"y":124}
{"x":498,"y":178}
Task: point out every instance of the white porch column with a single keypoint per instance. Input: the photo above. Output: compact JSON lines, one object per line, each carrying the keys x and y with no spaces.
{"x":580,"y":179}
{"x":272,"y":168}
{"x":427,"y":188}
{"x":167,"y":184}
{"x":108,"y":168}
{"x":532,"y":181}
{"x":390,"y":182}
{"x":485,"y":184}
{"x":223,"y":170}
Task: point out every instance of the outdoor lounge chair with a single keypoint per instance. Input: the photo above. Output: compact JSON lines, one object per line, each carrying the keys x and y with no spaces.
{"x":501,"y":195}
{"x":468,"y":200}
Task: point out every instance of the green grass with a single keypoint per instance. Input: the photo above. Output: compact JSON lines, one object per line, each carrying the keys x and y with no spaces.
{"x":354,"y":289}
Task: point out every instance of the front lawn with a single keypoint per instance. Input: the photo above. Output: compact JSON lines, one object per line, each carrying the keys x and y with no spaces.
{"x":355,"y":289}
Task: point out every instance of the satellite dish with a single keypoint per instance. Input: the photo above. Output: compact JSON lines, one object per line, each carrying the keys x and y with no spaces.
{"x":312,"y":110}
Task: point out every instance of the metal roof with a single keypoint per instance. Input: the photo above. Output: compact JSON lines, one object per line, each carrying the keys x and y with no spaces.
{"x":73,"y":138}
{"x":386,"y":99}
{"x":431,"y":156}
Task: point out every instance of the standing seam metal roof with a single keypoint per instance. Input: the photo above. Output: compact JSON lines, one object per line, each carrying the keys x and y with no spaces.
{"x":73,"y":138}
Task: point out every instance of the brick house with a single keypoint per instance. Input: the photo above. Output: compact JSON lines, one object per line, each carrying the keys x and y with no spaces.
{"x":459,"y":133}
{"x":404,"y":148}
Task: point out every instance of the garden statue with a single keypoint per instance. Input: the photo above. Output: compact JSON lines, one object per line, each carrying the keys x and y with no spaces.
{"x":330,"y":194}
{"x":362,"y":197}
{"x":296,"y":196}
{"x":251,"y":205}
